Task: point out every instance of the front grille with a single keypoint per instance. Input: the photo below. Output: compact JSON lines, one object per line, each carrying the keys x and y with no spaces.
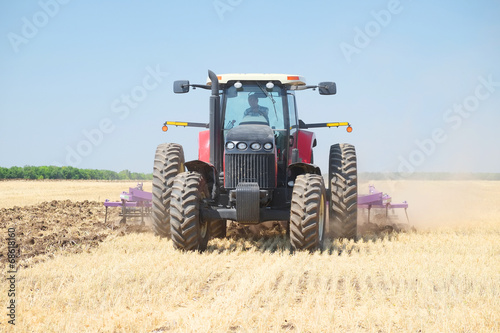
{"x":250,"y":168}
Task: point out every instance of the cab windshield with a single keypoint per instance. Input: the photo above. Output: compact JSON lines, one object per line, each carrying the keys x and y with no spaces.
{"x":253,"y":103}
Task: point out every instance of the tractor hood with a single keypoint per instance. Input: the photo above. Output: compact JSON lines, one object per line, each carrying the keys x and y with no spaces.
{"x":245,"y":138}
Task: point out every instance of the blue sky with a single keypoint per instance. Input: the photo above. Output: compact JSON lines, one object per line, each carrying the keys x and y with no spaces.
{"x":89,"y":84}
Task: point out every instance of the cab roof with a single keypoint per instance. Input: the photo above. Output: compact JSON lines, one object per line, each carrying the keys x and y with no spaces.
{"x":294,"y":80}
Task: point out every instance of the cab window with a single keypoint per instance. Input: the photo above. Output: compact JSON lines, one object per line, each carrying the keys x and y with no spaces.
{"x":292,"y":111}
{"x":253,"y":104}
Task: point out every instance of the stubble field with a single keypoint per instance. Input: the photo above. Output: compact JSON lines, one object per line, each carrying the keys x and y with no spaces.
{"x":80,"y":274}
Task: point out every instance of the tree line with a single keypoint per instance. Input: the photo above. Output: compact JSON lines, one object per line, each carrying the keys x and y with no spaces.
{"x":68,"y":172}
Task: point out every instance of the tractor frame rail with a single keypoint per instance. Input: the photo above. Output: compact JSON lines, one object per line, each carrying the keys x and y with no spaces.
{"x":377,"y":199}
{"x":134,"y":203}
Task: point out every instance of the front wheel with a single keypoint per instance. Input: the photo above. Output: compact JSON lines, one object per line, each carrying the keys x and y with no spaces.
{"x":308,"y":213}
{"x":188,"y":230}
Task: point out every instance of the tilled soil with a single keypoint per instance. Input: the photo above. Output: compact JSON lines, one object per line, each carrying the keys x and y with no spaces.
{"x":41,"y":230}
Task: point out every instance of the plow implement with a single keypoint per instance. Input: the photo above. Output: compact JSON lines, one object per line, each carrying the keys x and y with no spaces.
{"x":134,"y":204}
{"x":382,"y":206}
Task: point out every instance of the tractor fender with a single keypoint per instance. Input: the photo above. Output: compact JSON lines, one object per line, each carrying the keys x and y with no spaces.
{"x":306,"y":140}
{"x":204,"y":146}
{"x":301,"y":168}
{"x":208,"y":172}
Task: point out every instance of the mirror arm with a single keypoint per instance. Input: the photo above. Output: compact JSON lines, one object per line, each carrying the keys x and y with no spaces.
{"x":202,"y":86}
{"x":303,"y":87}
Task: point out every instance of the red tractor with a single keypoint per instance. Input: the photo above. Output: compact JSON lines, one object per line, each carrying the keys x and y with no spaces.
{"x":255,"y":164}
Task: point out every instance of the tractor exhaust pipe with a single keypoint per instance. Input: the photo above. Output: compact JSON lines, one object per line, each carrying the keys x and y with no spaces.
{"x":215,"y":124}
{"x":215,"y":83}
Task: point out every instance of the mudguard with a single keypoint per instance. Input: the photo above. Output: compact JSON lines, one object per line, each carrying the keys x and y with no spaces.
{"x":306,"y":140}
{"x":300,"y":168}
{"x":204,"y":146}
{"x":208,"y":172}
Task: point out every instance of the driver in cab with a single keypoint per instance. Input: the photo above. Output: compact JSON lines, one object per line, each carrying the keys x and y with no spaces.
{"x":255,"y":109}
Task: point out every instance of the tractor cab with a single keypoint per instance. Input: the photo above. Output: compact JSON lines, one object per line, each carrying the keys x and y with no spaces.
{"x":259,"y":126}
{"x":255,"y":97}
{"x":262,"y":99}
{"x":253,"y":103}
{"x":252,"y":106}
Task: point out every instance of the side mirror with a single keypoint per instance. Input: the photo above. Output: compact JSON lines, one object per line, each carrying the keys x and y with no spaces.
{"x":181,"y":86}
{"x":327,"y":88}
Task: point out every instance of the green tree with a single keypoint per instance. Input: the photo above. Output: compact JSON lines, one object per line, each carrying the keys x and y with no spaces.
{"x":29,"y":172}
{"x":68,"y":172}
{"x":3,"y":172}
{"x":55,"y":172}
{"x":15,"y":173}
{"x":124,"y":174}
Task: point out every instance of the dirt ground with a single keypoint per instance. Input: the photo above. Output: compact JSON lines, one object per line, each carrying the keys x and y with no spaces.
{"x":58,"y":216}
{"x":64,"y":225}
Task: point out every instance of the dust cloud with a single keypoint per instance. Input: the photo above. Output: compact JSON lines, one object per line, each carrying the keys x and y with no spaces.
{"x":443,"y":203}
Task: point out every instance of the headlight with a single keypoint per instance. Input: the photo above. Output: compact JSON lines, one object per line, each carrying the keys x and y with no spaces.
{"x":255,"y":146}
{"x":241,"y":146}
{"x":268,"y":146}
{"x":230,"y":145}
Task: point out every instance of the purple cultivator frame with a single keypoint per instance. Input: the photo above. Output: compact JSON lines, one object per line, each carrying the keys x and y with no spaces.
{"x":377,"y":199}
{"x":135,"y":203}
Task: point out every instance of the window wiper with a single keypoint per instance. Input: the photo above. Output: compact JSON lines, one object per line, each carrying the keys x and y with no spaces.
{"x":270,"y":96}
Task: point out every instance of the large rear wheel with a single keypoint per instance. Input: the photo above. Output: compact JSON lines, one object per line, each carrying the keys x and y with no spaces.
{"x":188,"y":230}
{"x":343,"y":181}
{"x":308,"y":213}
{"x":169,"y":161}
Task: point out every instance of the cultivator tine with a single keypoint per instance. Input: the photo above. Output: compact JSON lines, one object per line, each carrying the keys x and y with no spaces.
{"x":142,"y":216}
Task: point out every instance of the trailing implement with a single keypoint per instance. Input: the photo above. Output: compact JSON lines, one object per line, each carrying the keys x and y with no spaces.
{"x":134,"y":204}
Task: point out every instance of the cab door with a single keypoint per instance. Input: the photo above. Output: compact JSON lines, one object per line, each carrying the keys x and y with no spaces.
{"x":294,"y":125}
